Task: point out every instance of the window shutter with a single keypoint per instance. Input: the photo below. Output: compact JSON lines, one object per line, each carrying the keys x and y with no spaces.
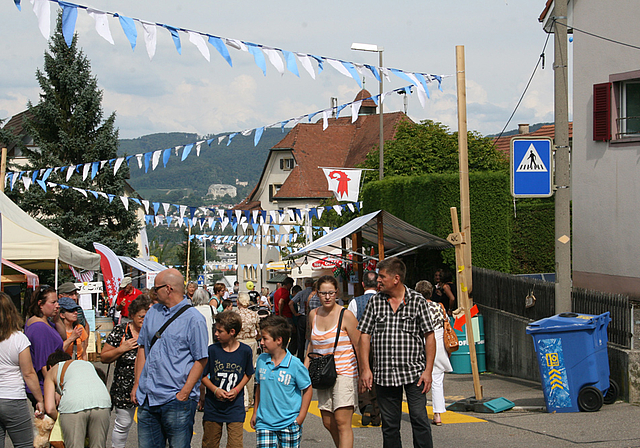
{"x":602,"y":112}
{"x":281,"y":164}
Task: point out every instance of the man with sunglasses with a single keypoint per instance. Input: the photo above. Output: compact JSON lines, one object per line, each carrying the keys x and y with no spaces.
{"x":169,"y":366}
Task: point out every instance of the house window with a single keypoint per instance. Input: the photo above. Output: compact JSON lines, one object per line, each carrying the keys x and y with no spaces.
{"x":287,"y":164}
{"x":273,"y":190}
{"x":629,"y":119}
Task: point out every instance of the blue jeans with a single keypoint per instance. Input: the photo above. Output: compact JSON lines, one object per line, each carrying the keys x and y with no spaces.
{"x":390,"y":403}
{"x":172,"y":421}
{"x":15,"y":420}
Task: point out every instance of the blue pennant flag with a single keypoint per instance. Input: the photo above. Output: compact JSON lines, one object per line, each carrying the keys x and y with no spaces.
{"x":94,"y":169}
{"x":42,"y":184}
{"x":9,"y":179}
{"x":169,"y":219}
{"x":229,"y":215}
{"x":283,"y":124}
{"x":111,"y":196}
{"x":357,"y":204}
{"x":17,"y":2}
{"x":156,"y":207}
{"x":148,"y":219}
{"x":165,"y":156}
{"x":402,"y":75}
{"x":231,"y":137}
{"x":320,"y":62}
{"x":127,"y":159}
{"x":46,"y":174}
{"x":247,"y":214}
{"x":439,"y":79}
{"x":210,"y":141}
{"x":217,"y":43}
{"x":373,"y":70}
{"x":258,"y":56}
{"x":186,"y":151}
{"x":423,"y":81}
{"x":234,"y":225}
{"x":69,"y":17}
{"x":352,"y":70}
{"x":136,"y":200}
{"x":258,"y":136}
{"x":340,"y":108}
{"x":34,"y":176}
{"x":313,"y":213}
{"x":192,"y":210}
{"x":147,"y":161}
{"x":313,"y":115}
{"x":94,"y":193}
{"x":175,"y":36}
{"x":255,"y":228}
{"x":129,"y":28}
{"x":291,"y":62}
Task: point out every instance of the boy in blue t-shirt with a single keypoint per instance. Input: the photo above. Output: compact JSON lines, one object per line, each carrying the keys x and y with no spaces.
{"x":229,"y":368}
{"x":283,"y":389}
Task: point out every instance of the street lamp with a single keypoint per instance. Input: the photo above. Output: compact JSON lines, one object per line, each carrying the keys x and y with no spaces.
{"x":379,"y":50}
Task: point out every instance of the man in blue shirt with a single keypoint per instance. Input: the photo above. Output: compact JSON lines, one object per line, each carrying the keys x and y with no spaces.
{"x":168,"y":374}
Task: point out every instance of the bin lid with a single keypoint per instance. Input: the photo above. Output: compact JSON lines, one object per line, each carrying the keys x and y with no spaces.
{"x":568,"y":322}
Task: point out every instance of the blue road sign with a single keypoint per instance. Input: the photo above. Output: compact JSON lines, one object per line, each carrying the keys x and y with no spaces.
{"x":200,"y":280}
{"x":531,"y":168}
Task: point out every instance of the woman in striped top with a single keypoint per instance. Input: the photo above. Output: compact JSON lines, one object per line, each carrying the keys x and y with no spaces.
{"x":336,"y":404}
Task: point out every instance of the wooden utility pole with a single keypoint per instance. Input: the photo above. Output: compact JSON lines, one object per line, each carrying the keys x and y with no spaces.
{"x":380,"y":237}
{"x":562,"y":161}
{"x":3,"y":168}
{"x":459,"y":240}
{"x":358,"y":265}
{"x":463,"y":159}
{"x":188,"y":252}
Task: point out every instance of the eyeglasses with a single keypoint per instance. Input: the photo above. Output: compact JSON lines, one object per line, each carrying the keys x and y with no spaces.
{"x":327,"y":293}
{"x":156,"y":288}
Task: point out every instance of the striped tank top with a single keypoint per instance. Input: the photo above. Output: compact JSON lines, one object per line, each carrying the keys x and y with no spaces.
{"x":345,"y":356}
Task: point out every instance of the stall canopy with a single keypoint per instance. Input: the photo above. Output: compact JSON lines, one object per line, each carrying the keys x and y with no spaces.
{"x":33,"y":246}
{"x":400,"y":237}
{"x":142,"y":265}
{"x":23,"y":275}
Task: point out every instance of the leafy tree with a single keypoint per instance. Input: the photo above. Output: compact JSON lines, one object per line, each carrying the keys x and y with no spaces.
{"x":68,"y":130}
{"x":429,"y":147}
{"x":196,"y":257}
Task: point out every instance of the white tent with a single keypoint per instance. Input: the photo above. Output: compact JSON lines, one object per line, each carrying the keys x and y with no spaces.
{"x":33,"y":246}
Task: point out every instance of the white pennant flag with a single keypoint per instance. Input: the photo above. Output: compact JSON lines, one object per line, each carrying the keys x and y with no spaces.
{"x":338,"y":209}
{"x":292,"y":215}
{"x":139,"y":158}
{"x":146,"y":206}
{"x":265,"y":228}
{"x":244,"y":226}
{"x":198,"y":146}
{"x":320,"y":211}
{"x":355,"y":110}
{"x":158,"y":220}
{"x":183,"y":209}
{"x":339,"y":66}
{"x":85,"y":170}
{"x":42,"y":11}
{"x":254,"y":215}
{"x":221,"y":139}
{"x":305,"y":61}
{"x":238,"y":213}
{"x":235,"y":43}
{"x":422,"y":94}
{"x":224,"y":223}
{"x":80,"y":190}
{"x":386,"y":72}
{"x":344,"y":183}
{"x":212,"y":222}
{"x":166,"y":206}
{"x":125,"y":202}
{"x":156,"y":159}
{"x":287,"y":229}
{"x":102,"y":25}
{"x":70,"y":171}
{"x":102,"y":163}
{"x":275,"y":59}
{"x":274,"y":216}
{"x":150,"y":37}
{"x":220,"y":213}
{"x":116,"y":166}
{"x":197,"y":40}
{"x":325,"y":119}
{"x":351,"y":207}
{"x":26,"y":181}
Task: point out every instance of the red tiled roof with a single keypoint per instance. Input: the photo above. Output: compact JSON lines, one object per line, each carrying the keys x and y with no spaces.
{"x":365,"y":94}
{"x":545,"y":11}
{"x":503,"y":144}
{"x":342,"y":144}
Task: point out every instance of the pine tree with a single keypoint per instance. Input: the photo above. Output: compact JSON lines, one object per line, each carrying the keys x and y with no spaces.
{"x":67,"y":128}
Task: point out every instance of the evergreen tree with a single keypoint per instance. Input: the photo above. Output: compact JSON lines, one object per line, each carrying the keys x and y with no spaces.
{"x":68,"y":130}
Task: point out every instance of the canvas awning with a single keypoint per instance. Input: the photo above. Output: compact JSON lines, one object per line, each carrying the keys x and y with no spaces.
{"x":31,"y":245}
{"x":400,"y":237}
{"x":24,"y":276}
{"x":142,"y":265}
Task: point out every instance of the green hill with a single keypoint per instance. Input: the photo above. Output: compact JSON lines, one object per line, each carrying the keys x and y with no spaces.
{"x":189,"y":181}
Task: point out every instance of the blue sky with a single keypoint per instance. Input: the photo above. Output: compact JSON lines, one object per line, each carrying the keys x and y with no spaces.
{"x":173,"y":92}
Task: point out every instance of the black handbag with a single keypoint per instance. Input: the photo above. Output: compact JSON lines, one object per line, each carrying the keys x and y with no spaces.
{"x":322,"y":368}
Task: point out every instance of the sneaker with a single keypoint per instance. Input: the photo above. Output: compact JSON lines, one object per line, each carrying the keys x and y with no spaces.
{"x":366,"y":415}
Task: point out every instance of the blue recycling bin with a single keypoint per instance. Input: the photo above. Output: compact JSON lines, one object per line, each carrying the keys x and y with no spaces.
{"x":573,"y":360}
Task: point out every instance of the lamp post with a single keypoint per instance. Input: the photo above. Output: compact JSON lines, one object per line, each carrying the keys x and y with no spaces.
{"x":379,"y":50}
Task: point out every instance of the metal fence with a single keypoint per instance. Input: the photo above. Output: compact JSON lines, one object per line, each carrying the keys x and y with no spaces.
{"x":509,"y":293}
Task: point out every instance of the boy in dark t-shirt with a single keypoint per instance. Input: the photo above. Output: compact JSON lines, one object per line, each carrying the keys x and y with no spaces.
{"x":229,"y":368}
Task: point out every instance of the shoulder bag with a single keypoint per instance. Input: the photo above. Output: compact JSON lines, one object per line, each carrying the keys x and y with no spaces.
{"x":322,"y":368}
{"x":449,"y":335}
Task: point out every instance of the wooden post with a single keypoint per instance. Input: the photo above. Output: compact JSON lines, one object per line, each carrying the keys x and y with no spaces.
{"x":345,"y":284}
{"x":356,"y":246}
{"x":458,"y":240}
{"x":380,"y":237}
{"x":189,"y":253}
{"x":463,"y":159}
{"x":3,"y":168}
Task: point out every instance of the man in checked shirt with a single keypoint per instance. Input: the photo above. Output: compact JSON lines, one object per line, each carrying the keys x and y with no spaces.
{"x":397,"y":327}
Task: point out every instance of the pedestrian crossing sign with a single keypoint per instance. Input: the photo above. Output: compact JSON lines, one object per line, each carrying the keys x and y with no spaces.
{"x":531,"y":167}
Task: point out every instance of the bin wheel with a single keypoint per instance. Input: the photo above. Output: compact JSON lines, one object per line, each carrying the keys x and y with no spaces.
{"x":590,"y":399}
{"x":612,"y":393}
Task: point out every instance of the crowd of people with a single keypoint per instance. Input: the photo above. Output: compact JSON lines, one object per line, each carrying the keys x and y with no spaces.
{"x":228,"y":352}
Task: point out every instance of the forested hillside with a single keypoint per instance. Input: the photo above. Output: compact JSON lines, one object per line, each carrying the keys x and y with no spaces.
{"x":189,"y":180}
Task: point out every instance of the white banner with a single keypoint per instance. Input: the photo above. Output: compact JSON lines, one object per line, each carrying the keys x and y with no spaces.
{"x":344,"y":183}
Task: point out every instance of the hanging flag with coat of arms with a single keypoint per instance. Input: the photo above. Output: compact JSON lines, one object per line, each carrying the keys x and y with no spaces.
{"x":344,"y":183}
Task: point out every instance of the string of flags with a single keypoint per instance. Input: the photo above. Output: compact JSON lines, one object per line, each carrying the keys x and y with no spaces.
{"x":152,"y":159}
{"x":186,"y":215}
{"x":280,"y":59}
